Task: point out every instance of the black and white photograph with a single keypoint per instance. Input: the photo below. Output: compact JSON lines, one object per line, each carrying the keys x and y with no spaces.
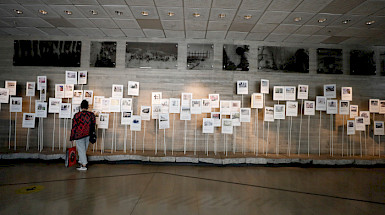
{"x":236,"y":117}
{"x":185,"y":113}
{"x":331,"y":106}
{"x":165,"y":104}
{"x":103,"y":54}
{"x":206,"y":106}
{"x":200,"y":56}
{"x":174,"y":105}
{"x":279,"y":93}
{"x":196,"y":106}
{"x":292,"y":108}
{"x":283,"y":59}
{"x":359,"y":123}
{"x":164,"y":121}
{"x":265,"y":86}
{"x":47,"y":53}
{"x":103,"y":121}
{"x":366,"y":116}
{"x":329,"y":61}
{"x":54,"y":105}
{"x":344,"y":107}
{"x":362,"y":62}
{"x":236,"y":57}
{"x":227,"y":126}
{"x":126,"y":104}
{"x":41,"y":109}
{"x":290,"y":93}
{"x":156,"y":97}
{"x":65,"y":110}
{"x":71,"y":77}
{"x":117,"y":91}
{"x":151,"y":55}
{"x":156,"y":110}
{"x":351,"y":127}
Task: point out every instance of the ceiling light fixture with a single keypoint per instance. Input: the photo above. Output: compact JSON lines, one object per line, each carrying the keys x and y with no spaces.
{"x":94,"y":12}
{"x":297,"y":19}
{"x":119,"y":13}
{"x":43,"y":12}
{"x":370,"y":22}
{"x":196,"y":15}
{"x":144,"y":13}
{"x":247,"y":17}
{"x":171,"y":13}
{"x":346,"y":21}
{"x":18,"y":11}
{"x":222,"y":15}
{"x":68,"y":12}
{"x":322,"y":20}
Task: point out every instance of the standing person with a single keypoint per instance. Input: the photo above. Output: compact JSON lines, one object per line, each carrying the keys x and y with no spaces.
{"x":83,"y":125}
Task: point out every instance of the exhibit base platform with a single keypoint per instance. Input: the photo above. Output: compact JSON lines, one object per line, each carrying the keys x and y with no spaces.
{"x":201,"y":158}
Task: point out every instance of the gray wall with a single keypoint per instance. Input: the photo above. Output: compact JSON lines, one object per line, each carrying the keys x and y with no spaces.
{"x":173,"y":82}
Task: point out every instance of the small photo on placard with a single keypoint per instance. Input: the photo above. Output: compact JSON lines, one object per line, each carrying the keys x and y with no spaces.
{"x":359,"y":123}
{"x":269,"y":114}
{"x":54,"y":105}
{"x":291,"y":108}
{"x":374,"y":105}
{"x":59,"y":91}
{"x":227,"y":126}
{"x":279,"y":93}
{"x":265,"y":86}
{"x":28,"y":120}
{"x":30,"y":89}
{"x":4,"y":95}
{"x":133,"y":88}
{"x":208,"y":126}
{"x":71,"y":77}
{"x":41,"y":82}
{"x":214,"y":100}
{"x":242,"y":87}
{"x":88,"y":96}
{"x":320,"y":103}
{"x":366,"y":116}
{"x":303,"y":92}
{"x":344,"y":107}
{"x":235,"y":106}
{"x":145,"y":112}
{"x":353,"y":111}
{"x":290,"y":93}
{"x":330,"y":91}
{"x":11,"y":85}
{"x":351,"y":127}
{"x":117,"y":91}
{"x":257,"y":100}
{"x":82,"y":77}
{"x":378,"y":128}
{"x":279,"y":111}
{"x":331,"y":107}
{"x":309,"y":108}
{"x":347,"y":93}
{"x":16,"y":105}
{"x":206,"y":106}
{"x":174,"y":105}
{"x":115,"y":105}
{"x":156,"y":97}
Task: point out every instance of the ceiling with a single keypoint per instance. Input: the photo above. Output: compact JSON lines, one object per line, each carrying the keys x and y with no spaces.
{"x":253,"y":20}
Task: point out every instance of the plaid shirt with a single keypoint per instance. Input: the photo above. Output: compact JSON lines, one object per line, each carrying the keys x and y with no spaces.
{"x":83,"y":124}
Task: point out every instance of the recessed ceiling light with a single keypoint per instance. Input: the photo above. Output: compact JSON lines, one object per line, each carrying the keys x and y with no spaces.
{"x":196,"y":15}
{"x":297,"y":19}
{"x":68,"y":12}
{"x":171,"y":14}
{"x":94,"y":12}
{"x":346,"y":21}
{"x":247,"y":17}
{"x":119,"y":13}
{"x":18,"y":11}
{"x":322,"y":20}
{"x":43,"y":12}
{"x":222,"y":15}
{"x":370,"y":22}
{"x":144,"y":13}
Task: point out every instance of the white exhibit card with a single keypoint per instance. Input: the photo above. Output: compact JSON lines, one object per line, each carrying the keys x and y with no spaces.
{"x":378,"y":128}
{"x":208,"y":126}
{"x":303,"y":92}
{"x":257,"y":100}
{"x":216,"y":116}
{"x":164,"y":121}
{"x":156,"y":97}
{"x":185,"y":113}
{"x":117,"y":91}
{"x":279,"y":111}
{"x":225,"y":107}
{"x":78,"y":97}
{"x":97,"y":116}
{"x":330,"y":91}
{"x":30,"y":89}
{"x":374,"y":105}
{"x":206,"y":106}
{"x":290,"y":93}
{"x":278,"y":93}
{"x":235,"y":106}
{"x":133,"y":88}
{"x":186,"y":99}
{"x":16,"y":105}
{"x":106,"y":103}
{"x":236,"y":117}
{"x":331,"y":106}
{"x":68,"y":90}
{"x":382,"y":107}
{"x":265,"y":86}
{"x":88,"y":95}
{"x":28,"y":120}
{"x":41,"y":109}
{"x":59,"y":91}
{"x":136,"y":123}
{"x":75,"y":109}
{"x":41,"y":82}
{"x":156,"y":110}
{"x":353,"y":111}
{"x":359,"y":123}
{"x":54,"y":105}
{"x":351,"y":127}
{"x":320,"y":103}
{"x":103,"y":120}
{"x":214,"y":100}
{"x":309,"y":108}
{"x":4,"y":95}
{"x":227,"y":126}
{"x":115,"y":105}
{"x":82,"y":77}
{"x":43,"y":93}
{"x":344,"y":107}
{"x":245,"y":114}
{"x":174,"y":105}
{"x":65,"y":110}
{"x":196,"y":106}
{"x":165,"y":104}
{"x":71,"y":77}
{"x":145,"y":112}
{"x":126,"y":104}
{"x":269,"y":114}
{"x":126,"y":117}
{"x":242,"y":87}
{"x":347,"y":93}
{"x":291,"y":108}
{"x":366,"y":116}
{"x":98,"y":102}
{"x":11,"y":85}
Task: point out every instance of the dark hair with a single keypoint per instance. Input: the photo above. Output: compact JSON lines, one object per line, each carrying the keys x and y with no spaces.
{"x":84,"y":104}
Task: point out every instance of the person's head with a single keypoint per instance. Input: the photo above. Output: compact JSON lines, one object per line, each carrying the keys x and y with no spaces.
{"x":84,"y":105}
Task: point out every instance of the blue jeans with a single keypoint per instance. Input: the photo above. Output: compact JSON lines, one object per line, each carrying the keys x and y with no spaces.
{"x":82,"y":146}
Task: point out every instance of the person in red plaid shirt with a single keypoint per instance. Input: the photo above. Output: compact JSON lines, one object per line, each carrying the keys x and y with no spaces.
{"x":83,"y":125}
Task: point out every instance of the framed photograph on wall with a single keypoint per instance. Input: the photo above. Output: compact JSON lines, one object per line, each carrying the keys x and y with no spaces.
{"x":362,"y":62}
{"x":236,"y":57}
{"x":200,"y":56}
{"x":103,"y":54}
{"x":329,"y":61}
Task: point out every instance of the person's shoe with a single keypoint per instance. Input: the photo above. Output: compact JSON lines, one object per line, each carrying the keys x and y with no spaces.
{"x":82,"y":168}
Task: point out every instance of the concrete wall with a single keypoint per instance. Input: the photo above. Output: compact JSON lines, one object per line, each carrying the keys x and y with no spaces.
{"x":173,"y":82}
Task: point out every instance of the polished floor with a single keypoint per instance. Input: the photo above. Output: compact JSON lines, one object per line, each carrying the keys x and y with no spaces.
{"x":171,"y":189}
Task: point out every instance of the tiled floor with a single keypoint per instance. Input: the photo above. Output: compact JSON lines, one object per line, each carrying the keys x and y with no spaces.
{"x":165,"y":189}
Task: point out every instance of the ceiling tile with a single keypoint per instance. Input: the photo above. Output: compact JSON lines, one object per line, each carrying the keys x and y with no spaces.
{"x":296,"y":38}
{"x":330,"y":31}
{"x":329,"y":19}
{"x":4,"y":13}
{"x":286,"y":29}
{"x":271,"y":17}
{"x":335,"y":40}
{"x":32,"y":31}
{"x":82,"y":23}
{"x":137,"y":12}
{"x":112,"y":32}
{"x":226,"y":3}
{"x":173,"y":25}
{"x":195,"y":34}
{"x":62,"y":2}
{"x":53,"y":31}
{"x":73,"y":31}
{"x":174,"y":34}
{"x":13,"y":31}
{"x":150,"y":24}
{"x":229,"y":14}
{"x":169,"y":3}
{"x":140,"y":2}
{"x":36,"y":7}
{"x":133,"y":33}
{"x":304,"y":18}
{"x":380,"y":13}
{"x":219,"y":35}
{"x":257,"y":36}
{"x":218,"y":26}
{"x":127,"y":23}
{"x":112,"y":2}
{"x":235,"y":35}
{"x":341,"y":6}
{"x":60,"y":22}
{"x":312,"y":6}
{"x":368,"y":8}
{"x":8,"y":2}
{"x":283,"y":5}
{"x":104,"y":23}
{"x":276,"y":37}
{"x":354,"y":40}
{"x":255,"y":5}
{"x":379,"y":22}
{"x":29,"y":1}
{"x":197,"y":3}
{"x":84,"y":2}
{"x":255,"y":15}
{"x":264,"y":28}
{"x":150,"y":33}
{"x":10,"y":7}
{"x":353,"y":19}
{"x":163,"y":13}
{"x":112,"y":11}
{"x":61,"y":8}
{"x":4,"y":24}
{"x":26,"y":22}
{"x":203,"y":12}
{"x":316,"y":38}
{"x":241,"y":27}
{"x":308,"y":29}
{"x":86,"y":10}
{"x":195,"y":25}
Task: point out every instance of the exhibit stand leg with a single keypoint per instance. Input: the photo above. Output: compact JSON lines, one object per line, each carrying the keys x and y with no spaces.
{"x":224,"y":144}
{"x":288,"y":137}
{"x":291,"y":126}
{"x":373,"y":134}
{"x":319,"y":133}
{"x":379,"y":146}
{"x":366,"y":150}
{"x":30,"y":107}
{"x":173,"y":135}
{"x":277,"y":141}
{"x":116,"y":127}
{"x":243,"y":138}
{"x":257,"y":147}
{"x":53,"y":132}
{"x":207,"y":144}
{"x":354,"y":136}
{"x":156,"y":136}
{"x":14,"y":145}
{"x":135,"y":144}
{"x":263,"y":136}
{"x":59,"y":132}
{"x":343,"y":134}
{"x":125,"y":139}
{"x":255,"y":132}
{"x":215,"y":143}
{"x":113,"y":133}
{"x":64,"y":134}
{"x":267,"y":142}
{"x":360,"y":144}
{"x":330,"y":136}
{"x":308,"y":135}
{"x":195,"y":139}
{"x":185,"y":137}
{"x":300,"y":128}
{"x":235,"y":140}
{"x":332,"y":132}
{"x":10,"y":130}
{"x":102,"y":145}
{"x":131,"y":141}
{"x":164,"y":141}
{"x":144,"y":135}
